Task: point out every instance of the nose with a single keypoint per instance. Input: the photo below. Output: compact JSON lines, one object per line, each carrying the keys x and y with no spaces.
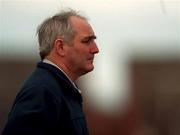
{"x":94,"y":49}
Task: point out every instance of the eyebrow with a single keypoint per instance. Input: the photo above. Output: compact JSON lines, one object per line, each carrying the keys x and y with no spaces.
{"x":89,"y":37}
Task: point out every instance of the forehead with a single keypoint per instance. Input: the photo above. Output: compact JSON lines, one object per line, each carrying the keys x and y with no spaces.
{"x":81,"y":26}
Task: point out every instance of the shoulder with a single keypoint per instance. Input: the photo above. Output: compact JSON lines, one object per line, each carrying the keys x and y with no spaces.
{"x":37,"y":94}
{"x":40,"y":76}
{"x":40,"y":85}
{"x":41,"y":79}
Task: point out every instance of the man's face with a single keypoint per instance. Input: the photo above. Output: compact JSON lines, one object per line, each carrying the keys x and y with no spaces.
{"x":80,"y":55}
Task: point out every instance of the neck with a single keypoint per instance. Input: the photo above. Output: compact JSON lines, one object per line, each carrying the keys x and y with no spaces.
{"x":63,"y":67}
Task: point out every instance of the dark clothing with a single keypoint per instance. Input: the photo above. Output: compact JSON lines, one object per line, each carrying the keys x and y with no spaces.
{"x":48,"y":104}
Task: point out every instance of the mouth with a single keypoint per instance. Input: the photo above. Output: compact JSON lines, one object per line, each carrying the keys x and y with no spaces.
{"x":91,"y":59}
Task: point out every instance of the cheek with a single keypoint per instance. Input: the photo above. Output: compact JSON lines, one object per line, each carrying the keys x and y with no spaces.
{"x":76,"y":57}
{"x":81,"y":53}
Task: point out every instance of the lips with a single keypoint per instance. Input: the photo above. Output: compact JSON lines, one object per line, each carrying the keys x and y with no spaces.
{"x":91,"y":58}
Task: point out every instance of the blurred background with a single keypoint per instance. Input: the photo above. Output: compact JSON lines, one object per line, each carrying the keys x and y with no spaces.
{"x":135,"y":86}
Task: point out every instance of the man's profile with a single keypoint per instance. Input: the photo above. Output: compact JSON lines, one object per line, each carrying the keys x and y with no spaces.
{"x":49,"y":102}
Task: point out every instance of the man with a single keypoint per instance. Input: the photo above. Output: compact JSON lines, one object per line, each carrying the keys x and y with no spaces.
{"x":49,"y":102}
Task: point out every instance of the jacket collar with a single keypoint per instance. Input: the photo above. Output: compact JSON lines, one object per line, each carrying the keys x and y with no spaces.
{"x":60,"y":76}
{"x":51,"y":63}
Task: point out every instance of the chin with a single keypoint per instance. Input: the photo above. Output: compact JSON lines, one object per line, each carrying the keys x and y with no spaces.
{"x":90,"y":68}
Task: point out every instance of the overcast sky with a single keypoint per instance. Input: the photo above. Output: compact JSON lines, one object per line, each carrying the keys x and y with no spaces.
{"x":136,"y":24}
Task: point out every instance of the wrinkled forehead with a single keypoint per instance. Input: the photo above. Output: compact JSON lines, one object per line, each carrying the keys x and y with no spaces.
{"x":81,"y":26}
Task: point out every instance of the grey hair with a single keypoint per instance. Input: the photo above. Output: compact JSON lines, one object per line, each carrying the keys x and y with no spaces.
{"x":51,"y":28}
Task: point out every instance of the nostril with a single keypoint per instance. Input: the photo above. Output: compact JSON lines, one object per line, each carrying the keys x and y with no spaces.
{"x":94,"y":50}
{"x":97,"y":49}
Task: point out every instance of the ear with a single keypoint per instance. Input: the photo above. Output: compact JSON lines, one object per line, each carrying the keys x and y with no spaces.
{"x":59,"y":46}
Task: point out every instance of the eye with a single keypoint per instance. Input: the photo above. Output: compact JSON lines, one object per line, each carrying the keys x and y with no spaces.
{"x":88,"y":40}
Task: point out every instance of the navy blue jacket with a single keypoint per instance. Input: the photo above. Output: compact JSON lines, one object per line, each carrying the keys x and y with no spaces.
{"x":47,"y":104}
